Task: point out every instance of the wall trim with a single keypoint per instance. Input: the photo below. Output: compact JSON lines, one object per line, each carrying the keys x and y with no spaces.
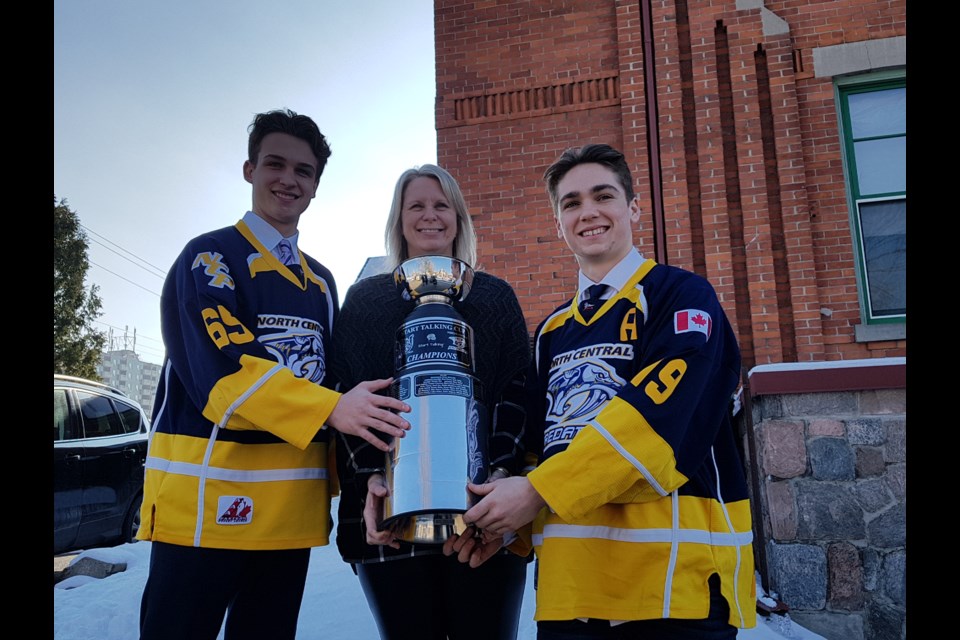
{"x":823,"y":377}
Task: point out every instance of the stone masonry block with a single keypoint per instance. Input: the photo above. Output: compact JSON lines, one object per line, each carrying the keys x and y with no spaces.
{"x":896,"y":447}
{"x":782,"y":508}
{"x":826,"y":427}
{"x":783,"y":452}
{"x":885,"y":621}
{"x":799,"y":574}
{"x":893,"y":577}
{"x":889,"y":529}
{"x":827,"y":512}
{"x":832,"y":626}
{"x":870,"y":462}
{"x":846,"y":577}
{"x":872,"y":563}
{"x":766,"y":408}
{"x":866,"y":431}
{"x":873,"y":495}
{"x":897,"y":480}
{"x":883,"y":401}
{"x":831,"y":459}
{"x":820,"y":404}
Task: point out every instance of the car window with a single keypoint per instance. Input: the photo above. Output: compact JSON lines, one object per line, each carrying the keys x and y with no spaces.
{"x":63,"y":427}
{"x":129,"y":416}
{"x":99,"y":418}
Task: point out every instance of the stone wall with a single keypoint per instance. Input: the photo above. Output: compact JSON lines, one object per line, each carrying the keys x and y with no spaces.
{"x":832,"y":470}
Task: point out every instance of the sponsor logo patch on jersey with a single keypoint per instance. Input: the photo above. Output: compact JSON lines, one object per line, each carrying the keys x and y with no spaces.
{"x":692,"y":320}
{"x":234,"y":510}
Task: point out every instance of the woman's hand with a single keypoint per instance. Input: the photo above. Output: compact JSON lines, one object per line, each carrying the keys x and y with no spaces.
{"x":377,"y":490}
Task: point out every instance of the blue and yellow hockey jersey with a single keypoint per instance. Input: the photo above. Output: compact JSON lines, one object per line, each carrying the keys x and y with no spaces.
{"x":639,"y":462}
{"x":238,"y":454}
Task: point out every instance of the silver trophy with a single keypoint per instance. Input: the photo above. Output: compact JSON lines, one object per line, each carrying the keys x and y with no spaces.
{"x":428,"y":470}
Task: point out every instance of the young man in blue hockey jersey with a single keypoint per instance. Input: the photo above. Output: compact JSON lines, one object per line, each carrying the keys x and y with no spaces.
{"x":238,"y":485}
{"x":640,"y":512}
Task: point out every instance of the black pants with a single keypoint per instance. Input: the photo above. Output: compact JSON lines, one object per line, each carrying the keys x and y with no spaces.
{"x":714,"y":627}
{"x":189,"y":590}
{"x":437,"y":597}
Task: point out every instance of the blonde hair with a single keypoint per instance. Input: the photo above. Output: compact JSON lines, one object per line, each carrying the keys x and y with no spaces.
{"x":465,"y":242}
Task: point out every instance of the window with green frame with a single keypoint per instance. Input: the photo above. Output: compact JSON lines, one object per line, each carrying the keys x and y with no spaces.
{"x":874,"y":126}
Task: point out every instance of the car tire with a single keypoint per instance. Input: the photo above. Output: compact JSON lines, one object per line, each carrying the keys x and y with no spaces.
{"x":131,"y":523}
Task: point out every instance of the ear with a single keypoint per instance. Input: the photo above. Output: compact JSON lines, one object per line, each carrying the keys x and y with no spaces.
{"x":556,"y":221}
{"x":248,"y":168}
{"x":635,"y":209}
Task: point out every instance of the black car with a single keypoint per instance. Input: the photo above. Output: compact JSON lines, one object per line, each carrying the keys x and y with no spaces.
{"x":99,"y":448}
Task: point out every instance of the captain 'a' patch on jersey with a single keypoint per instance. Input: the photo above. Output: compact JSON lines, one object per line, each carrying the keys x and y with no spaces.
{"x":213,"y":266}
{"x":580,"y":384}
{"x":295,"y":342}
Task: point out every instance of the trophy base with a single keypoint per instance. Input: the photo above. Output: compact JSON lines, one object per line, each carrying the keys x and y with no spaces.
{"x":427,"y":527}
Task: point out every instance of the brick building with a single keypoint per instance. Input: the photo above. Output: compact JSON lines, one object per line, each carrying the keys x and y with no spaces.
{"x":768,"y":146}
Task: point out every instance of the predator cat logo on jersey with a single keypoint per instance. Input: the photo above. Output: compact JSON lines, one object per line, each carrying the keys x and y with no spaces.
{"x":299,"y":346}
{"x":575,"y":395}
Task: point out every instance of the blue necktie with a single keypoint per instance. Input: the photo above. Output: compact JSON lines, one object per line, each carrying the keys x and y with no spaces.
{"x":590,"y":300}
{"x":287,"y":258}
{"x":286,"y":253}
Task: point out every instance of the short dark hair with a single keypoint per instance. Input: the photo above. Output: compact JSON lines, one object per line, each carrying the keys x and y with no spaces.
{"x":291,"y":123}
{"x":602,"y":154}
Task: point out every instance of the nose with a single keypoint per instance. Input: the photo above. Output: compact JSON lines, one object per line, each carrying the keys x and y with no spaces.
{"x":288,"y":176}
{"x":588,"y":210}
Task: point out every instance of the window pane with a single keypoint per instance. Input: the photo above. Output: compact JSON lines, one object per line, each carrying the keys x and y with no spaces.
{"x":878,"y":113}
{"x":129,"y":416}
{"x":62,"y":425}
{"x":881,"y":165}
{"x":99,"y":418}
{"x":885,"y":250}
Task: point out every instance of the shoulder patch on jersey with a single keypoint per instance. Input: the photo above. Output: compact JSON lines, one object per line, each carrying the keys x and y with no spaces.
{"x":692,"y":320}
{"x":213,"y":266}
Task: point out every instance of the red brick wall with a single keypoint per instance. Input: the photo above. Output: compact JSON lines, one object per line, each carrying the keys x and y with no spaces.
{"x":751,"y":174}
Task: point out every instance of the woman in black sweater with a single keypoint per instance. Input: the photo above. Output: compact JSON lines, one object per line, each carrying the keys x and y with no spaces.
{"x":410,"y":587}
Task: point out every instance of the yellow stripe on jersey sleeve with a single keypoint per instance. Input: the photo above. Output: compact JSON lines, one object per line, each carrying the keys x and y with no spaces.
{"x":619,"y":458}
{"x":249,"y":398}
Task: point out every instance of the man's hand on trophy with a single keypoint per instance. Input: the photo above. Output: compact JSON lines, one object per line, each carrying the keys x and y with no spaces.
{"x":473,"y":547}
{"x":377,"y":490}
{"x":361,"y":410}
{"x":505,"y":506}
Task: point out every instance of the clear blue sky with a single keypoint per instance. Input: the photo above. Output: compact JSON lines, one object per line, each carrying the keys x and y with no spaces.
{"x":151,"y":105}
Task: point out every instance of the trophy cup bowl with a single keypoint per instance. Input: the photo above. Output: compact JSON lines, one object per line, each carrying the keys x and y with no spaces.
{"x":428,"y":470}
{"x":434,"y":275}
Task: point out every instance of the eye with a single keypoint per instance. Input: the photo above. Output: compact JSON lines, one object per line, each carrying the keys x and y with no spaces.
{"x":569,"y":204}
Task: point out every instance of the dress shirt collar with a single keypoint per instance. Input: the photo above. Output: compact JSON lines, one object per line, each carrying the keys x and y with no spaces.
{"x":616,"y":277}
{"x":267,"y":235}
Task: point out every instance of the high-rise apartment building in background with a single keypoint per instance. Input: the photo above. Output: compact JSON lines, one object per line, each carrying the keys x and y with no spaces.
{"x":124,"y":370}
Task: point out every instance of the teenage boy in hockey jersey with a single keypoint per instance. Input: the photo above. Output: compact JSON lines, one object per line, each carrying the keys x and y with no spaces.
{"x":641,"y":520}
{"x":237,"y":484}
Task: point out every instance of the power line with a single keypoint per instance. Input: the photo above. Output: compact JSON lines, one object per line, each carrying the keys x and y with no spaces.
{"x":126,"y":279}
{"x":160,"y":272}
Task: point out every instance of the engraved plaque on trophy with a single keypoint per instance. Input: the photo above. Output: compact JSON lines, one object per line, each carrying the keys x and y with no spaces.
{"x":446,"y":447}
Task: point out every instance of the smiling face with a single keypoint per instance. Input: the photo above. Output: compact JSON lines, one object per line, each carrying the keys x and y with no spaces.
{"x":428,"y":219}
{"x":595,"y":218}
{"x":284,"y":180}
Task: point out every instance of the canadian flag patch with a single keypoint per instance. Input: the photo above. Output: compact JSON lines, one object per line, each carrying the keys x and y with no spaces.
{"x":692,"y":320}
